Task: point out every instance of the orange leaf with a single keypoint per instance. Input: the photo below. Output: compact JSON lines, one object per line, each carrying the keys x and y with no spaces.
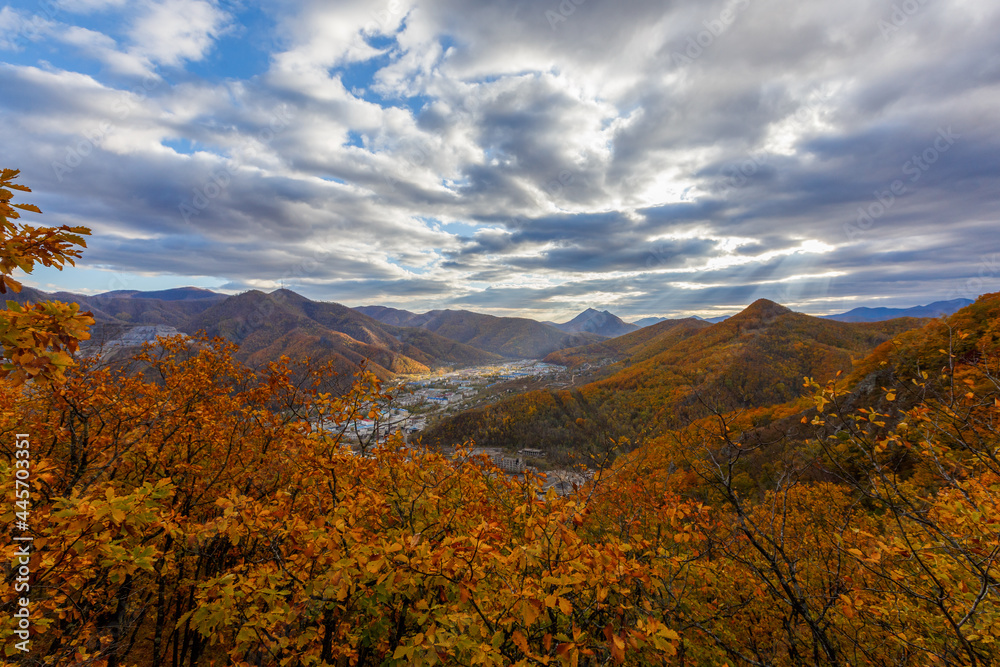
{"x":520,"y":641}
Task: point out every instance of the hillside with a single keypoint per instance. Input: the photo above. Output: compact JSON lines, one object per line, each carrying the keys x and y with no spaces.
{"x":511,"y":337}
{"x":757,"y":357}
{"x":267,"y":326}
{"x":928,"y":370}
{"x":283,"y":322}
{"x":629,"y":348}
{"x":393,"y":316}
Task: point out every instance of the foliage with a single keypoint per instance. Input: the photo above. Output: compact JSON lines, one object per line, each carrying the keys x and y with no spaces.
{"x":37,"y":339}
{"x":197,"y":516}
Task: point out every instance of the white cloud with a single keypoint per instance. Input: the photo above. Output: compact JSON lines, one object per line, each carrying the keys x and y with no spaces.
{"x":324,"y":35}
{"x":170,"y":32}
{"x":104,"y":49}
{"x":18,"y":28}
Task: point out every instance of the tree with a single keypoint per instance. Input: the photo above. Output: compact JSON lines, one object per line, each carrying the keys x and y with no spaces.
{"x":37,"y":339}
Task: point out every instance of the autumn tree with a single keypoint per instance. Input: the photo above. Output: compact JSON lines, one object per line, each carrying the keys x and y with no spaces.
{"x":38,"y":339}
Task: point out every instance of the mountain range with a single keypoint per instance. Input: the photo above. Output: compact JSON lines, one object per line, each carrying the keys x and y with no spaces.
{"x":936,"y":309}
{"x":394,"y":341}
{"x":672,"y":373}
{"x":267,"y":326}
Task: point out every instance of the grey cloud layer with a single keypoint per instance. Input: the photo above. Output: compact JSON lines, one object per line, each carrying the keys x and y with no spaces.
{"x":656,"y":158}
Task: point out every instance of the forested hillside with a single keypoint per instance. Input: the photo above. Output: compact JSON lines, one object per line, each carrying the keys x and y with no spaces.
{"x":630,"y":348}
{"x":675,"y":371}
{"x":283,"y":322}
{"x":268,"y":326}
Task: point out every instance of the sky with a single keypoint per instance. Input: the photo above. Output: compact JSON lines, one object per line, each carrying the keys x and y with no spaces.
{"x":529,"y":158}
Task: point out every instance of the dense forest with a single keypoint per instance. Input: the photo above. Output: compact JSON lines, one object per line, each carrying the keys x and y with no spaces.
{"x":188,"y":510}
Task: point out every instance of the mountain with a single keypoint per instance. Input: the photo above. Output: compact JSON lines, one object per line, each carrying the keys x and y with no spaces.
{"x":676,"y":373}
{"x":864,"y":314}
{"x":510,"y":337}
{"x":600,"y":322}
{"x":267,"y":326}
{"x":936,"y":309}
{"x":649,"y":321}
{"x":961,"y":340}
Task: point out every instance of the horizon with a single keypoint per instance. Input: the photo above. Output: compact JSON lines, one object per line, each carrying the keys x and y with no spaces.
{"x":515,"y":159}
{"x":563,"y":320}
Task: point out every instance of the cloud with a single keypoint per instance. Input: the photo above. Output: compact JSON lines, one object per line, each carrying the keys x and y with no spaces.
{"x":171,"y":32}
{"x":101,"y":47}
{"x":19,"y":28}
{"x":657,"y":158}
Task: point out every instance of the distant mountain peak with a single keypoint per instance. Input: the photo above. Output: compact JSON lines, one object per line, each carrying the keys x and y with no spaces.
{"x":762,"y":309}
{"x":596,"y":321}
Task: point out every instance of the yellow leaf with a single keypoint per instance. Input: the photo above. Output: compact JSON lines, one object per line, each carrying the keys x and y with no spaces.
{"x":530,"y":614}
